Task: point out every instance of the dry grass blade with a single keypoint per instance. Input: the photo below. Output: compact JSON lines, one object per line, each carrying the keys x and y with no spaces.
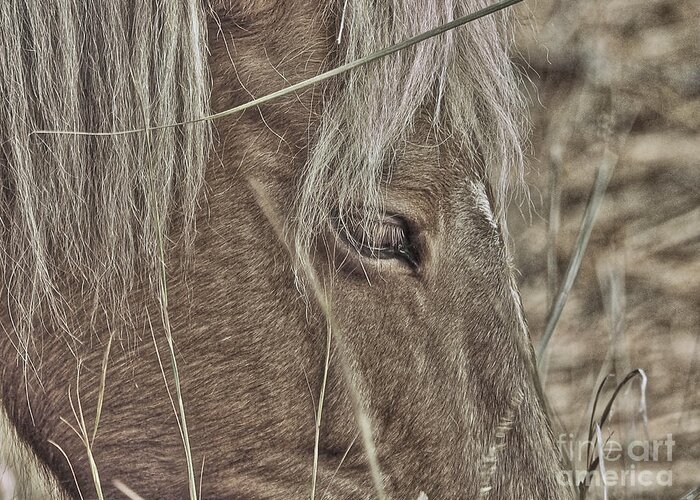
{"x":553,"y":223}
{"x":361,"y":419}
{"x":82,"y":433}
{"x":364,"y":424}
{"x":163,"y":297}
{"x":311,"y":81}
{"x":319,"y":412}
{"x":553,"y":226}
{"x":70,"y":466}
{"x":601,"y":460}
{"x":201,"y":477}
{"x":342,"y":460}
{"x":603,"y":175}
{"x":103,"y":384}
{"x":616,"y":358}
{"x":594,"y":462}
{"x":128,"y":492}
{"x":693,"y":494}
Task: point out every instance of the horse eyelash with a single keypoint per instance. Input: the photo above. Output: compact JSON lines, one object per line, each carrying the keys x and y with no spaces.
{"x":387,"y":238}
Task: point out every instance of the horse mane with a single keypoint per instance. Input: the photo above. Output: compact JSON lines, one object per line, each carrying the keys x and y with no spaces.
{"x":97,"y":209}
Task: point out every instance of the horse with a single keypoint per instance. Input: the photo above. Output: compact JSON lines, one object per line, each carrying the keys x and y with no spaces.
{"x":311,"y":298}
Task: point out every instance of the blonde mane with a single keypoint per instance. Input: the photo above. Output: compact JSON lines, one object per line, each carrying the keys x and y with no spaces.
{"x":96,"y":210}
{"x":93,"y":209}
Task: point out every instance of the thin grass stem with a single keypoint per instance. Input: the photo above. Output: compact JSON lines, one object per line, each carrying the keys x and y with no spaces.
{"x":126,"y":491}
{"x":342,"y":460}
{"x":70,"y":466}
{"x":491,"y":9}
{"x":603,"y":175}
{"x":101,"y":392}
{"x":319,"y":413}
{"x":601,"y":461}
{"x":361,"y":419}
{"x":163,"y":296}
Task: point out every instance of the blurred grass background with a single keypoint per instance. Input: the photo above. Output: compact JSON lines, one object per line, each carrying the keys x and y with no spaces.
{"x":621,"y":74}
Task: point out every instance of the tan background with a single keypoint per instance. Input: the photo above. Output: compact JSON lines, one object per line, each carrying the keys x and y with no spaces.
{"x":595,"y":65}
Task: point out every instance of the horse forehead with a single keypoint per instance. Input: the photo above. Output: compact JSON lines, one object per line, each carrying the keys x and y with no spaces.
{"x":427,"y":170}
{"x":436,"y":178}
{"x":258,"y":16}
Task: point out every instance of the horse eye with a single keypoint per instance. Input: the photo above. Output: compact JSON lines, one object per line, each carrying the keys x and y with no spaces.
{"x":387,"y":238}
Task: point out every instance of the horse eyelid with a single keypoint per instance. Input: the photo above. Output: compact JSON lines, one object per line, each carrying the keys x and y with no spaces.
{"x":392,"y":240}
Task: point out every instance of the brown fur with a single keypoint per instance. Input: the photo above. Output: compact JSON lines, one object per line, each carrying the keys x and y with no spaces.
{"x":439,"y":355}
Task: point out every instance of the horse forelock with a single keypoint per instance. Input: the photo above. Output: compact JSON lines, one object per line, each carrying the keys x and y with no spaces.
{"x":98,"y":208}
{"x":463,"y":78}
